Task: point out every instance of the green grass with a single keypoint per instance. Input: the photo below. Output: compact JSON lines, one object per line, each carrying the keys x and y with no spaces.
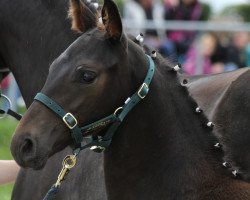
{"x":5,"y":191}
{"x":7,"y":127}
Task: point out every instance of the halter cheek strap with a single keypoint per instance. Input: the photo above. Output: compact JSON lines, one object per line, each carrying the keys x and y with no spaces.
{"x":68,"y":118}
{"x":100,"y":143}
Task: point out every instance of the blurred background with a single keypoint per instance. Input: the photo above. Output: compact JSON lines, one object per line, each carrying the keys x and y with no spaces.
{"x":205,"y":36}
{"x":8,"y":125}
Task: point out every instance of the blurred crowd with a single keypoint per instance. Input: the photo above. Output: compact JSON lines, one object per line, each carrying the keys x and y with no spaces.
{"x":198,"y":52}
{"x":210,"y":51}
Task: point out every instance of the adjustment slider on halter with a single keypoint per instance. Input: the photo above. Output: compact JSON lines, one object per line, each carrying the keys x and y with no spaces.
{"x":114,"y":120}
{"x":127,"y":100}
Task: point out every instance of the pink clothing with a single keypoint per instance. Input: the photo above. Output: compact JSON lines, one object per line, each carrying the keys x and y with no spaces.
{"x":5,"y":83}
{"x":190,"y":63}
{"x":182,"y":12}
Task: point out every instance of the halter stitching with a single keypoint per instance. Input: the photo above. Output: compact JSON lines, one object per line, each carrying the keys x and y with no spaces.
{"x":100,"y":143}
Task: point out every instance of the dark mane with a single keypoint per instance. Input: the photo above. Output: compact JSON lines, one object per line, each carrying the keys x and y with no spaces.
{"x":179,"y":88}
{"x":165,"y":66}
{"x":158,"y":143}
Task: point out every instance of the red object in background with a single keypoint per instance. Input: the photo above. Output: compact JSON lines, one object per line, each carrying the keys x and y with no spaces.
{"x":5,"y":83}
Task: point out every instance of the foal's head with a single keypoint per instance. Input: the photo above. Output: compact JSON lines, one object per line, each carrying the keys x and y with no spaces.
{"x":90,"y":79}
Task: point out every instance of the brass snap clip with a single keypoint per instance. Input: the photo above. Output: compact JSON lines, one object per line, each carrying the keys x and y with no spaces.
{"x":68,"y":163}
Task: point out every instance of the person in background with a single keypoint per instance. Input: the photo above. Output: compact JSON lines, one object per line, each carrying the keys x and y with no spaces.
{"x":238,"y":52}
{"x":179,"y":41}
{"x":199,"y":56}
{"x":137,"y":11}
{"x":247,"y":54}
{"x":8,"y":171}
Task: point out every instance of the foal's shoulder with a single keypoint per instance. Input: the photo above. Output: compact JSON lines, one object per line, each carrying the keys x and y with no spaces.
{"x":228,"y":189}
{"x":238,"y":190}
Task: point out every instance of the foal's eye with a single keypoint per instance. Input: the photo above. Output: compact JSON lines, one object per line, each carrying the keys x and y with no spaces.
{"x":88,"y":76}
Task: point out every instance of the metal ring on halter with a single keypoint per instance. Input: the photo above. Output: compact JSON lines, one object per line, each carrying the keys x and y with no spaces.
{"x":117,"y":110}
{"x":9,"y":104}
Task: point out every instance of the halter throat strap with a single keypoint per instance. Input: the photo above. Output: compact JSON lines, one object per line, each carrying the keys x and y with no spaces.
{"x":100,"y":143}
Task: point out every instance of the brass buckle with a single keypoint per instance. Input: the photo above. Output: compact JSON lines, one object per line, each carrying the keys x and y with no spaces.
{"x":140,"y":89}
{"x":67,"y":123}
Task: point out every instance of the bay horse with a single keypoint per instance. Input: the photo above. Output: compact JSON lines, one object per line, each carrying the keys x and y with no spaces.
{"x":35,"y":48}
{"x":32,"y":34}
{"x":163,"y":150}
{"x":225,"y":100}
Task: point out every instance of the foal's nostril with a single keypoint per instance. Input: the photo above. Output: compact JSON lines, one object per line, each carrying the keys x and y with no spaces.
{"x":27,"y":147}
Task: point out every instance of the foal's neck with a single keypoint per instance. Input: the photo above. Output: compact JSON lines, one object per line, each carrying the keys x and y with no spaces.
{"x":163,"y":150}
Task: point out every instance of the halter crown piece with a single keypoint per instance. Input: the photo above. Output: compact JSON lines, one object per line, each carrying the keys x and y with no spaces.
{"x":100,"y":143}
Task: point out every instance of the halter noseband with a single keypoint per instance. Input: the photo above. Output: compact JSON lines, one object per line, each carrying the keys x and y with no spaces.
{"x":99,"y":143}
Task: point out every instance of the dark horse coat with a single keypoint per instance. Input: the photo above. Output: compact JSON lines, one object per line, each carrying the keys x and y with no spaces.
{"x":27,"y":47}
{"x":225,"y":100}
{"x":32,"y":34}
{"x":162,"y":151}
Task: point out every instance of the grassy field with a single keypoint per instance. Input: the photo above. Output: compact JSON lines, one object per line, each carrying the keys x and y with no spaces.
{"x":7,"y":127}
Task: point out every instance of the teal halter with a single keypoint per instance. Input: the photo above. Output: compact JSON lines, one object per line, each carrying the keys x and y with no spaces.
{"x":99,"y":143}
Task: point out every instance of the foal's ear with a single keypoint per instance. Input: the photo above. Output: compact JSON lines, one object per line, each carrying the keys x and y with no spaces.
{"x":112,"y":20}
{"x":82,"y":17}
